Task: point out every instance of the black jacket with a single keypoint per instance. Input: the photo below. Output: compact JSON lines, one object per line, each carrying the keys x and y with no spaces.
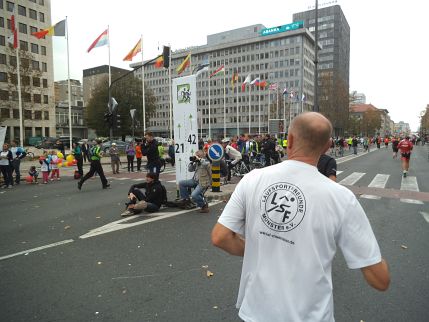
{"x":154,"y":191}
{"x":150,"y":150}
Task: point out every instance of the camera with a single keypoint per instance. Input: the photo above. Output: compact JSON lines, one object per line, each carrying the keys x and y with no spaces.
{"x":193,"y":158}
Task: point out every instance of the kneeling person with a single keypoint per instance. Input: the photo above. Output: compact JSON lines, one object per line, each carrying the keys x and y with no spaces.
{"x":150,"y":200}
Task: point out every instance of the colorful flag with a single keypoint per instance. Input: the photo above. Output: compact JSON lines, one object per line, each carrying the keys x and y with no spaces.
{"x":159,"y":62}
{"x":59,"y":29}
{"x":273,"y":87}
{"x":246,"y":81}
{"x":13,"y":39}
{"x":263,"y":84}
{"x":101,"y":40}
{"x":234,"y":80}
{"x":220,"y":70}
{"x":184,"y":64}
{"x":255,"y":81}
{"x":204,"y":67}
{"x":285,"y":91}
{"x":136,"y":49}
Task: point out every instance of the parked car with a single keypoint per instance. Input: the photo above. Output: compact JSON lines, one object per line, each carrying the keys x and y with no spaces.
{"x":47,"y":143}
{"x":66,"y":140}
{"x":121,"y":145}
{"x":35,"y":140}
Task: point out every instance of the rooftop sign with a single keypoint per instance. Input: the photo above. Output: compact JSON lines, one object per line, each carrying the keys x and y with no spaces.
{"x":288,"y":27}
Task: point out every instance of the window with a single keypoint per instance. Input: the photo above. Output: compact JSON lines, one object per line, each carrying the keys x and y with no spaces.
{"x":22,"y":28}
{"x":45,"y":99}
{"x":3,"y":77}
{"x":45,"y":83}
{"x":4,"y":95}
{"x":1,"y":22}
{"x":44,"y":67}
{"x":42,"y":2}
{"x":33,"y":14}
{"x":35,"y":65}
{"x":9,"y":6}
{"x":23,"y":45}
{"x":5,"y":113}
{"x":27,"y":114}
{"x":41,"y":16}
{"x":12,"y":61}
{"x":36,"y":81}
{"x":43,"y":50}
{"x":33,"y":29}
{"x":37,"y":98}
{"x":25,"y":80}
{"x":46,"y":115}
{"x":2,"y":40}
{"x":22,"y":11}
{"x":37,"y":115}
{"x":35,"y":48}
{"x":3,"y":59}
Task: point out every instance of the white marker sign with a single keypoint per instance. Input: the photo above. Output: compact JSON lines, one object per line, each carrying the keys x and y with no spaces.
{"x":185,"y":123}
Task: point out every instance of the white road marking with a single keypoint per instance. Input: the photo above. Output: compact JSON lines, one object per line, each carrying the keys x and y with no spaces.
{"x":122,"y":223}
{"x":37,"y":249}
{"x":409,"y":184}
{"x":425,"y":215}
{"x":373,"y":197}
{"x":352,"y":179}
{"x":123,"y":178}
{"x":413,"y":201}
{"x":171,"y":181}
{"x":379,"y":181}
{"x":339,"y":172}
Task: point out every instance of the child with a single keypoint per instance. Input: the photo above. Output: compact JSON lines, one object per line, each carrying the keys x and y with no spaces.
{"x":54,"y":166}
{"x":33,"y":173}
{"x":44,"y":168}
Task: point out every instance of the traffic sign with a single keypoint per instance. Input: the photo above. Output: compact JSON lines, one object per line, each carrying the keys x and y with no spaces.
{"x":215,"y":152}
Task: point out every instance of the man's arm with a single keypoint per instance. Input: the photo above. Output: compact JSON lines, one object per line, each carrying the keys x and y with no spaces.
{"x":227,"y":240}
{"x":377,"y":275}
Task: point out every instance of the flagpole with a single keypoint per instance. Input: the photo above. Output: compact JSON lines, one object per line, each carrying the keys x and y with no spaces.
{"x":290,"y":114}
{"x":210,"y":128}
{"x":277,"y":92}
{"x":108,"y":45}
{"x":284,"y":114}
{"x":18,"y":66}
{"x":238,"y":108}
{"x":259,"y":110}
{"x":224,"y":101}
{"x":143,"y":94}
{"x":190,"y":62}
{"x":110,"y":81}
{"x":269,"y":103}
{"x":69,"y":85}
{"x":171,"y":106}
{"x":250,"y":89}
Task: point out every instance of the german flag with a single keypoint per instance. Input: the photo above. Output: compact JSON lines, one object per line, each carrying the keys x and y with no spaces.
{"x":159,"y":62}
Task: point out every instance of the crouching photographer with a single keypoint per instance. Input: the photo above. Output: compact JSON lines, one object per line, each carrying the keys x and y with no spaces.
{"x":200,"y":181}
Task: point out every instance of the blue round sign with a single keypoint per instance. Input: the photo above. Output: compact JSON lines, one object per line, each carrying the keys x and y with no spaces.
{"x":215,"y":152}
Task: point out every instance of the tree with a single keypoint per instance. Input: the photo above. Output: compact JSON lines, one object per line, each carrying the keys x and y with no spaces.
{"x":371,"y":122}
{"x":334,"y":101}
{"x":128,"y":94}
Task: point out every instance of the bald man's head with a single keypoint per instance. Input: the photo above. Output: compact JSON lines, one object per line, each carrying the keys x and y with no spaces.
{"x":311,"y":132}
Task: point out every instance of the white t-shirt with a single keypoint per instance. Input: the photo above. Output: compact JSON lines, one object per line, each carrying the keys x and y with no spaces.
{"x":233,"y":153}
{"x":292,"y":218}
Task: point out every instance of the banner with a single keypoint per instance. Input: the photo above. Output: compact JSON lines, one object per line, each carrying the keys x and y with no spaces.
{"x":3,"y":130}
{"x":184,"y":91}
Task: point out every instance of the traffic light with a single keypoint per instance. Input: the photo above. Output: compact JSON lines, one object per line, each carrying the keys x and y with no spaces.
{"x":108,"y":118}
{"x":166,"y":56}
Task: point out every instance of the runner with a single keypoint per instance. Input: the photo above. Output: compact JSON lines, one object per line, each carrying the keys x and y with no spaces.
{"x":405,"y":146}
{"x":395,"y":142}
{"x":386,"y":142}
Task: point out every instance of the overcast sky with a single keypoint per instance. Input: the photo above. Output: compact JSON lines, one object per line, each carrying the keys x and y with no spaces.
{"x":389,"y":39}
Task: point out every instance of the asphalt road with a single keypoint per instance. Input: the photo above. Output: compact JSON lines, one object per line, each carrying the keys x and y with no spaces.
{"x":156,"y":268}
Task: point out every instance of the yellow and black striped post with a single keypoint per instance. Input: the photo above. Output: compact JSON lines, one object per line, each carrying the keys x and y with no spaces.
{"x":216,"y":176}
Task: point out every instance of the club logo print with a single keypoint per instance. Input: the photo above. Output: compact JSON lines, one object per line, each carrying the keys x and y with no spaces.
{"x":282,"y":206}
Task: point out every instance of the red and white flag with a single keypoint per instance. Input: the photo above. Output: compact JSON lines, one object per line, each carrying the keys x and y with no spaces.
{"x":246,"y":81}
{"x":273,"y":87}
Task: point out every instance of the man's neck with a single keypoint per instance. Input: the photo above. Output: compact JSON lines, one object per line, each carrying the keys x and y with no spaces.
{"x":299,"y":156}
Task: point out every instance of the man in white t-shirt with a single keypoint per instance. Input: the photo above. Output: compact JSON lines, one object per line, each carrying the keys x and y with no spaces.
{"x":287,"y":220}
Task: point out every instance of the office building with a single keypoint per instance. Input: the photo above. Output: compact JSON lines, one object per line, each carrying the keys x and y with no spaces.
{"x":333,"y":62}
{"x":79,"y":128}
{"x":37,"y":74}
{"x":281,"y":55}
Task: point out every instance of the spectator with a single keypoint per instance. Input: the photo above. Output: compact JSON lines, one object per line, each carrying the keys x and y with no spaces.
{"x":18,"y":153}
{"x":114,"y":158}
{"x":130,"y":156}
{"x":150,"y":150}
{"x":77,"y":153}
{"x":139,"y":155}
{"x":6,"y":158}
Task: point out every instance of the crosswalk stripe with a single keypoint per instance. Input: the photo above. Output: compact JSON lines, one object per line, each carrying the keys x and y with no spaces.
{"x":339,"y":172}
{"x":409,"y":184}
{"x":373,"y":197}
{"x":379,"y":181}
{"x":352,"y":179}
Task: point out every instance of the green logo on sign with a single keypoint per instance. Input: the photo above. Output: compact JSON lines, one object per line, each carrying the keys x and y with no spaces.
{"x":184,"y":93}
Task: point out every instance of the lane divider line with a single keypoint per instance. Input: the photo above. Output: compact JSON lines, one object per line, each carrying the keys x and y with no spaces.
{"x":63,"y":242}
